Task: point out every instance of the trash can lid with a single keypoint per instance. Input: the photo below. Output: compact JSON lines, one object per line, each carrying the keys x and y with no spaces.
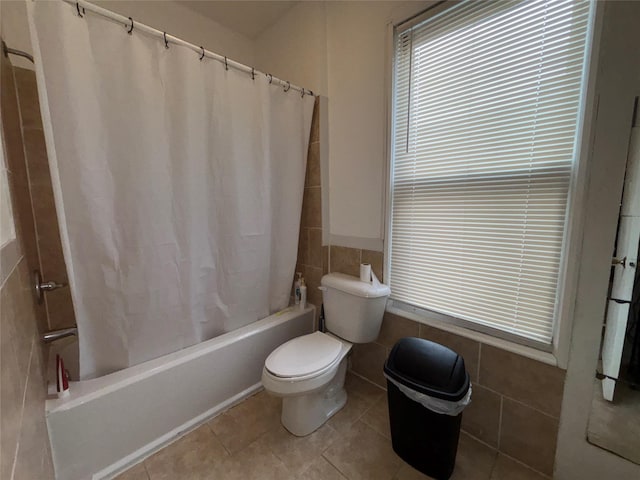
{"x":428,"y":368}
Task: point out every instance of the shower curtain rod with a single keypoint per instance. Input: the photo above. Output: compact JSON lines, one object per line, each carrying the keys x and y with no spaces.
{"x":131,"y":25}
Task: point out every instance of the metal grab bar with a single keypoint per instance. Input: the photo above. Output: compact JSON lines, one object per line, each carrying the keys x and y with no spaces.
{"x":53,"y":335}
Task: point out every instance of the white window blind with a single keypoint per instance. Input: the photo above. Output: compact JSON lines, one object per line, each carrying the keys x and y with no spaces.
{"x":486,"y":104}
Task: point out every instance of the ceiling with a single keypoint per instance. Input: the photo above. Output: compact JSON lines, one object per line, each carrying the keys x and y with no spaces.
{"x":249,"y":18}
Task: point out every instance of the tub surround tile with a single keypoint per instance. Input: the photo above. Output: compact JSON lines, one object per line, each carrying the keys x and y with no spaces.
{"x":312,"y":207}
{"x":508,"y":469}
{"x":482,"y":417}
{"x":528,"y":435}
{"x":313,"y":277}
{"x":314,"y":239}
{"x":303,"y":247}
{"x":345,"y":260}
{"x":325,"y":259}
{"x":192,"y":456}
{"x":314,"y":134}
{"x":534,"y":383}
{"x":25,"y":443}
{"x":27,"y":92}
{"x":469,"y":349}
{"x":312,"y":178}
{"x":362,"y":453}
{"x":395,"y":327}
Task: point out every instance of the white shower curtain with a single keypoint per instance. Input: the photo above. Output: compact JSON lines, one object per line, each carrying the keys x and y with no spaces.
{"x":178,"y":186}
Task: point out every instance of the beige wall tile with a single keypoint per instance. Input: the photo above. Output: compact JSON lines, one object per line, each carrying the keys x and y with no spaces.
{"x":482,"y":417}
{"x":22,"y":391}
{"x":395,"y":327}
{"x":469,"y":349}
{"x":312,"y":208}
{"x":315,"y":122}
{"x":28,"y":98}
{"x":345,"y":260}
{"x":325,"y":259}
{"x":303,"y":246}
{"x":528,"y":435}
{"x":315,"y":247}
{"x":376,"y":261}
{"x":313,"y":276}
{"x":36,"y":157}
{"x":368,"y":360}
{"x":312,"y":178}
{"x":533,"y":383}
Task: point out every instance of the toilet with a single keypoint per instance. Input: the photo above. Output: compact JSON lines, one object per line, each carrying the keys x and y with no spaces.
{"x":308,"y":372}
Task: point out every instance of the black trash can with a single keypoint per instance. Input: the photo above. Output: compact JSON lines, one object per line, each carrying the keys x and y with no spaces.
{"x":428,"y":387}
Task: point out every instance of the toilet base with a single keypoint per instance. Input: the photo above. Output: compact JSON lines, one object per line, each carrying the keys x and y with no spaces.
{"x":304,"y":414}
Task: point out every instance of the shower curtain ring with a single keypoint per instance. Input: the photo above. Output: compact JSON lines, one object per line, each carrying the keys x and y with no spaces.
{"x":202,"y":55}
{"x":253,"y":73}
{"x":130,"y":29}
{"x":302,"y":96}
{"x":166,"y":42}
{"x":270,"y":78}
{"x":288,"y":87}
{"x":226,"y":66}
{"x":78,"y":9}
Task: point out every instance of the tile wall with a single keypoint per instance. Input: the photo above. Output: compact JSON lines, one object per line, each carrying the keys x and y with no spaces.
{"x":312,"y":256}
{"x":24,"y":450}
{"x":51,"y":260}
{"x":516,"y":400}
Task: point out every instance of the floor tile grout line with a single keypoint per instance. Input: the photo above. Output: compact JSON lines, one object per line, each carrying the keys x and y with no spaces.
{"x":521,"y":463}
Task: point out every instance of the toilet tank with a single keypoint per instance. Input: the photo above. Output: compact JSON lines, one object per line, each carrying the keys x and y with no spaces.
{"x":353,"y":309}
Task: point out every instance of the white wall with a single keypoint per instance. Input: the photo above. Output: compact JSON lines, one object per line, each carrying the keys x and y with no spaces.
{"x":168,"y":16}
{"x":295,"y":48}
{"x":340,"y":49}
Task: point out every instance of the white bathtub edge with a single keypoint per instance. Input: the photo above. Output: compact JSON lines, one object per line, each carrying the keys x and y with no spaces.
{"x":141,"y":454}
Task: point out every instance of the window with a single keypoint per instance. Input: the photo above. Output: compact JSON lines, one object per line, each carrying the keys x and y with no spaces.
{"x":487,"y":99}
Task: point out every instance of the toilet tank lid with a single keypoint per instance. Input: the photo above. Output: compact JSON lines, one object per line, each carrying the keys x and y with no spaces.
{"x":353,"y":286}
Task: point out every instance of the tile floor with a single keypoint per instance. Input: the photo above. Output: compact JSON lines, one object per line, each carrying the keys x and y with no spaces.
{"x":248,"y":442}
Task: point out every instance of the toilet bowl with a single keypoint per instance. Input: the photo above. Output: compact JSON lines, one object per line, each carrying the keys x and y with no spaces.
{"x":308,"y":372}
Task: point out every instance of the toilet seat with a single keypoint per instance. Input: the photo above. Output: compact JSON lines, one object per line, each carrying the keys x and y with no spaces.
{"x":304,"y":357}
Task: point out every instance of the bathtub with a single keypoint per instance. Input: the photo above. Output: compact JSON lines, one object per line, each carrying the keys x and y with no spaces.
{"x":111,"y":422}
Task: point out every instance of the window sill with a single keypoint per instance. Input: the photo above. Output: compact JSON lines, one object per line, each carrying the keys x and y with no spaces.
{"x":523,"y":350}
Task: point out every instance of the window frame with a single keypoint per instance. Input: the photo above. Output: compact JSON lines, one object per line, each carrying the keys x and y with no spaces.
{"x":557,"y":352}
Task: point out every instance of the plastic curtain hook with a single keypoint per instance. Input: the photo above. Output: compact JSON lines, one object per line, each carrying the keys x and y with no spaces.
{"x":130,"y":31}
